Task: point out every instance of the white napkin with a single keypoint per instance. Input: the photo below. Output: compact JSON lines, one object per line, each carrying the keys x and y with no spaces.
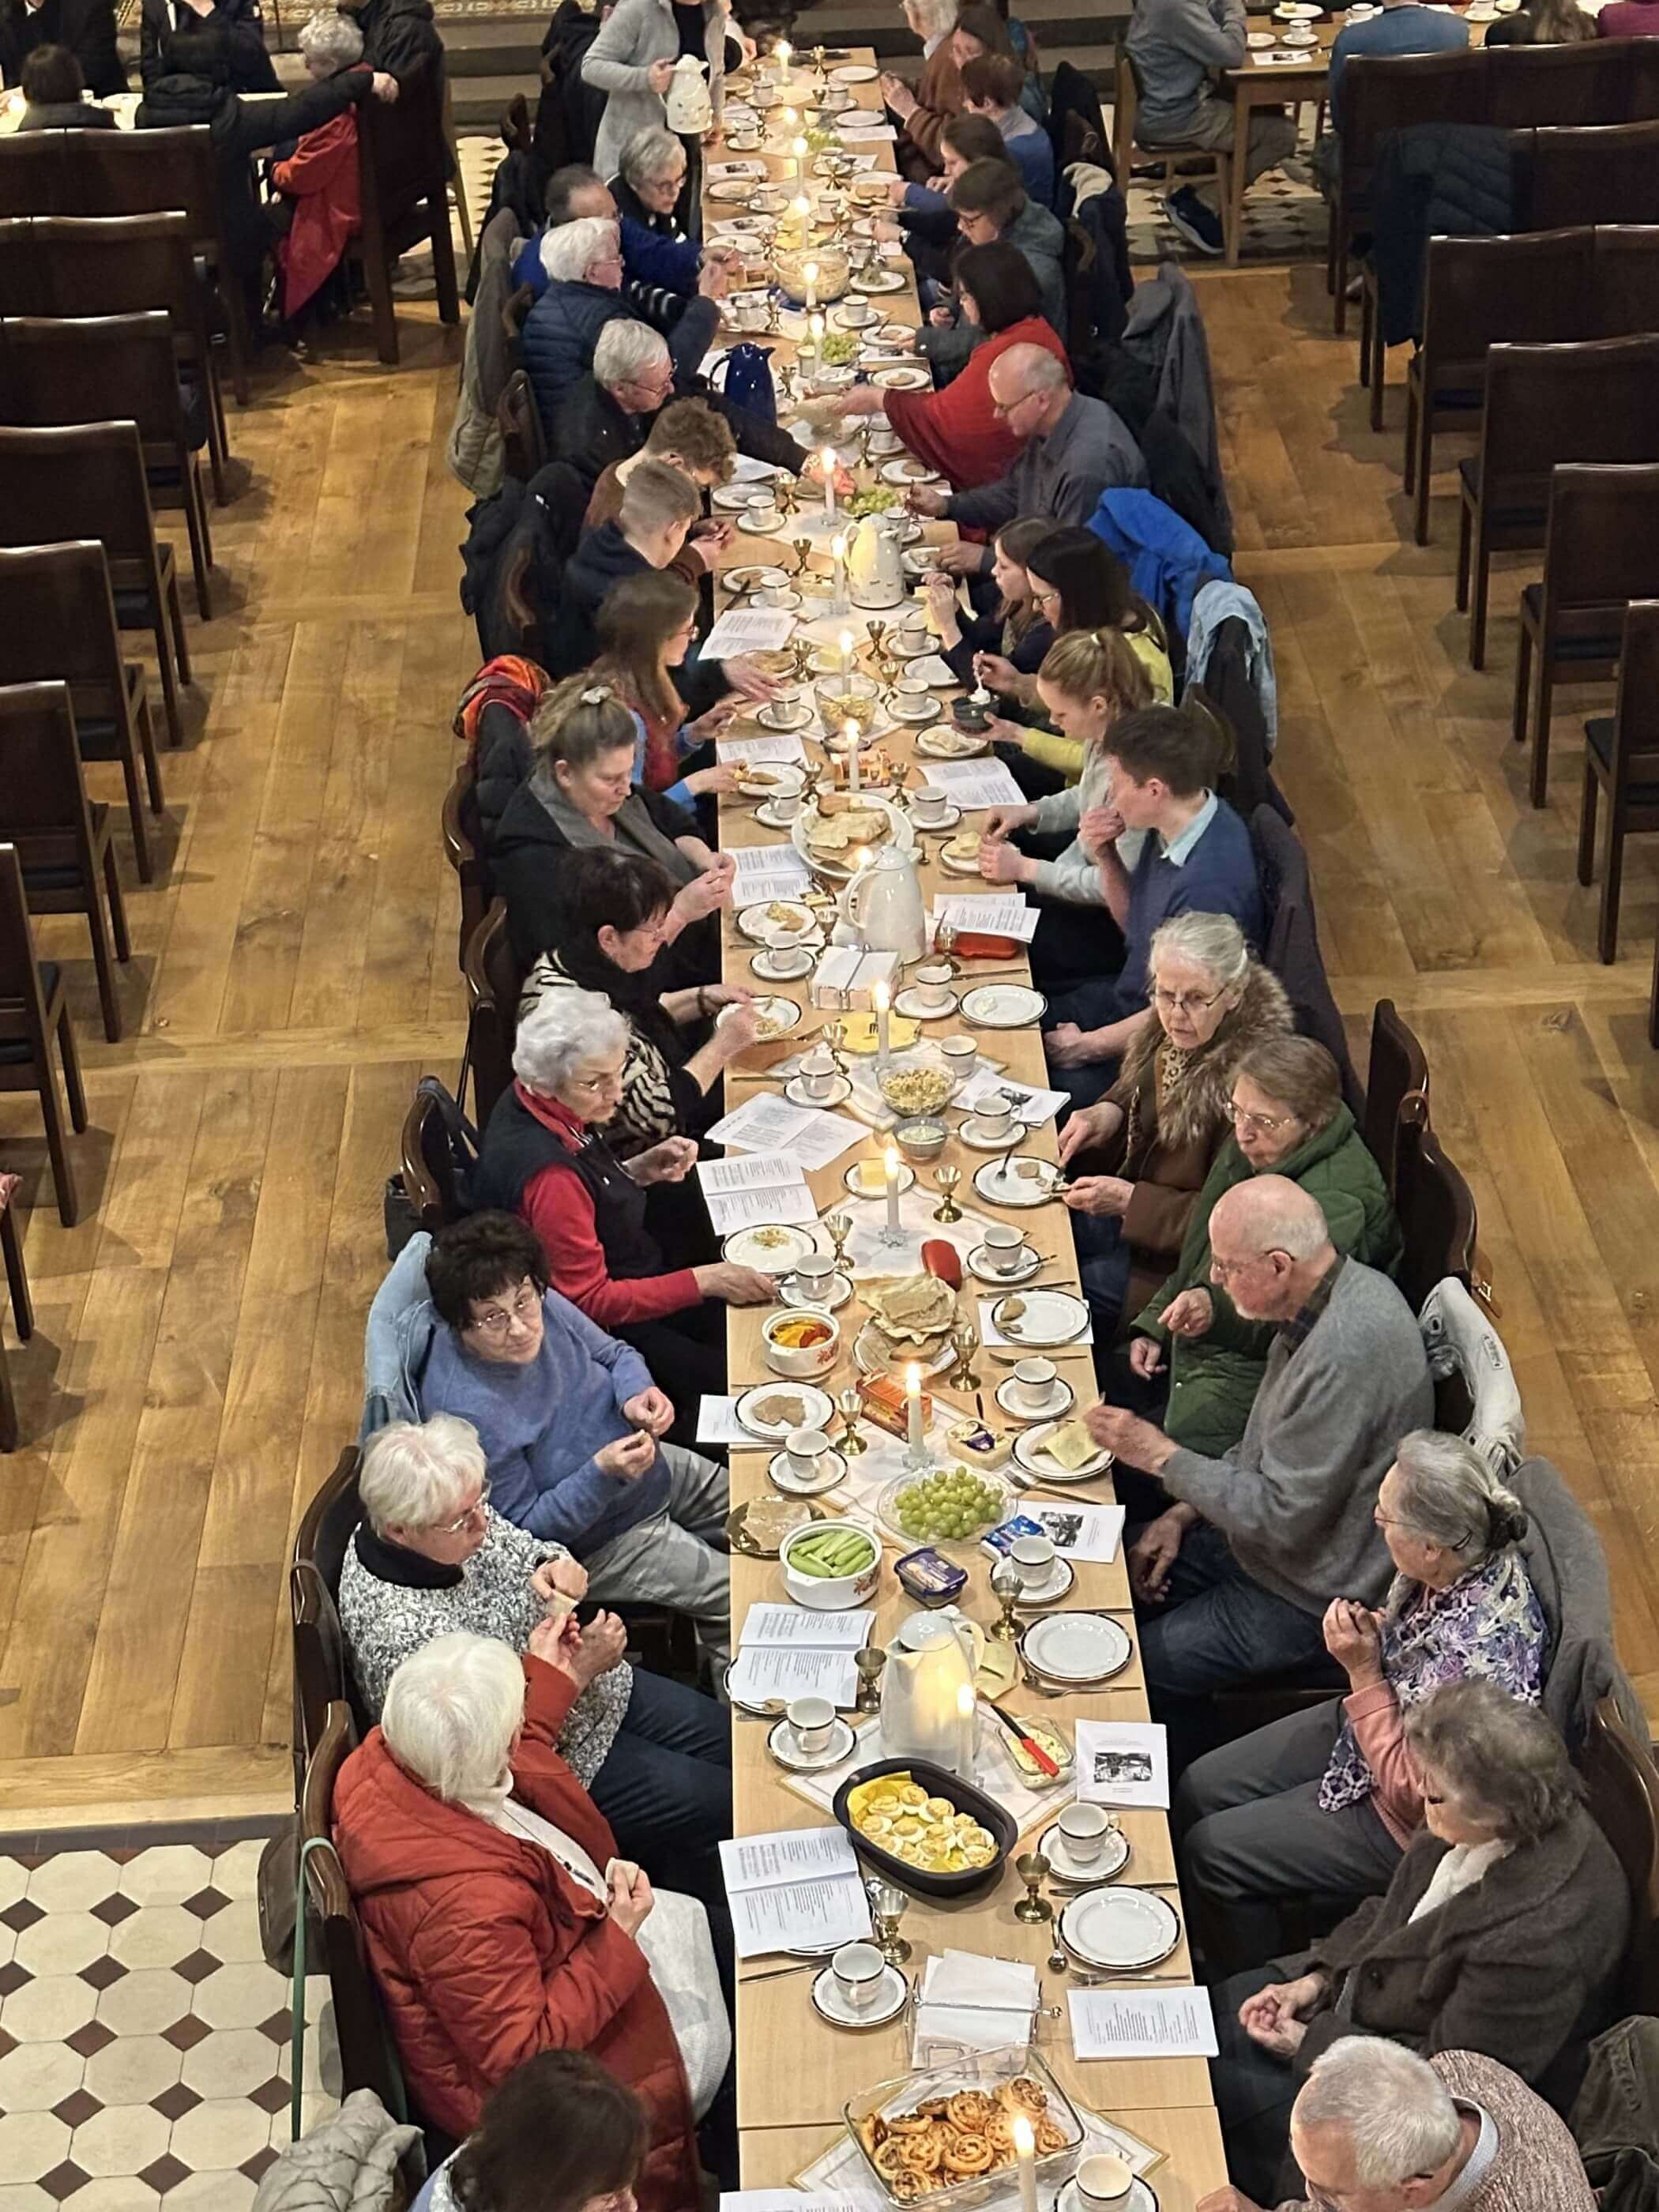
{"x":973,"y":2003}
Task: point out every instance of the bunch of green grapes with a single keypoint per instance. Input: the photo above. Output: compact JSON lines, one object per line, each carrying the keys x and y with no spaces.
{"x":947,"y":1506}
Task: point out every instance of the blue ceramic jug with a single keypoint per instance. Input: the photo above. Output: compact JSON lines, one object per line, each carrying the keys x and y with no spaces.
{"x":748,"y":381}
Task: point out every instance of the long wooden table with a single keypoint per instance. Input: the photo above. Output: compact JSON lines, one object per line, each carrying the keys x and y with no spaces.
{"x":795,"y":2072}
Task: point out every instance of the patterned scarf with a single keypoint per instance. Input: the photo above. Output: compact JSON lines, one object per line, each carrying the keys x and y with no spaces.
{"x":507,"y":681}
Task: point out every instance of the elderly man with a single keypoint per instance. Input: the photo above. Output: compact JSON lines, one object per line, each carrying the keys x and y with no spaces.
{"x":1074,"y":448}
{"x":1236,"y":1574}
{"x":605,"y":416}
{"x":583,"y":261}
{"x":659,"y":273}
{"x":1376,"y":2128}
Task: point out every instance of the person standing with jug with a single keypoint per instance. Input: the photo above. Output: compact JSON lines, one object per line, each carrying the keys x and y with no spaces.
{"x":634,"y":60}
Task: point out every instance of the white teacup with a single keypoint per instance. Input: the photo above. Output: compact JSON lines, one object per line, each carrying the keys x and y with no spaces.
{"x":994,"y":1119}
{"x":858,"y":1971}
{"x":817,"y":1073}
{"x":810,"y":1720}
{"x":1034,"y":1382}
{"x":960,"y":1053}
{"x":929,"y":806}
{"x":765,"y":516}
{"x":815,"y":1272}
{"x":1033,"y":1556}
{"x":932,"y":984}
{"x":1102,"y":2183}
{"x":1004,"y":1248}
{"x":775,"y":595}
{"x":1086,"y":1828}
{"x":784,"y":808}
{"x":785,"y":958}
{"x":805,"y":1449}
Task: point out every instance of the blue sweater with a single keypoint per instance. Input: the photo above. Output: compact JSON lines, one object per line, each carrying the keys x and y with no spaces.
{"x":540,"y":1426}
{"x":1217,"y":877}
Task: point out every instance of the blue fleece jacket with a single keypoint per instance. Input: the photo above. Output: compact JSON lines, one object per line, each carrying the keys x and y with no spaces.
{"x":670,"y":264}
{"x":541,"y":1425}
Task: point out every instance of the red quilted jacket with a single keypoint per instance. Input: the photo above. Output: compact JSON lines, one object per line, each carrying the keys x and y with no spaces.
{"x":486,"y":1952}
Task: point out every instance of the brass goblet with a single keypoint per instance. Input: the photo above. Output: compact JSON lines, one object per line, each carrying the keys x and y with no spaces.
{"x":1006,"y":1587}
{"x":877,"y":631}
{"x":964,"y":1342}
{"x":789,"y":498}
{"x":1034,"y":1908}
{"x":840,"y":1228}
{"x":802,"y":551}
{"x":888,"y":1906}
{"x":852,"y":1443}
{"x":869,"y":1662}
{"x":947,"y":1179}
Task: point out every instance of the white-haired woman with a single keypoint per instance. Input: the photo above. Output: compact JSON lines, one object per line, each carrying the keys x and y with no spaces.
{"x":1502,"y":1931}
{"x":633,"y":60}
{"x":922,"y":114}
{"x":432,"y":1554}
{"x":317,"y":184}
{"x":650,"y":178}
{"x":1323,"y":1803}
{"x":544,"y":1157}
{"x":1142,"y":1154}
{"x":499,"y":1918}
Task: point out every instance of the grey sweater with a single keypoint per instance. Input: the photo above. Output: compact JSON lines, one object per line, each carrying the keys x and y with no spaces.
{"x":1175,"y":44}
{"x":1089,"y":451}
{"x":1295,"y":1497}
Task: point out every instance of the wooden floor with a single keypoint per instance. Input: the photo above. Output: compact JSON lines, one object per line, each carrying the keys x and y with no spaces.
{"x":197,"y":1364}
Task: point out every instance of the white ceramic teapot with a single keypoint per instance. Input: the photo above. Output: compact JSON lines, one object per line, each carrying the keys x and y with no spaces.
{"x":884,"y":903}
{"x":690,"y":110}
{"x":927,"y":1707}
{"x":875,"y":568}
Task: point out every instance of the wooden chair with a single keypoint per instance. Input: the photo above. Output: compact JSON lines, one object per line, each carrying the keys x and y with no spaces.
{"x":524,"y":441}
{"x":1606,"y":174}
{"x":33,"y":1009}
{"x":429,"y":1165}
{"x":1601,"y":551}
{"x":88,"y":481}
{"x":322,"y":1673}
{"x":87,"y":370}
{"x":1396,"y":1090}
{"x":60,"y":838}
{"x":1621,"y":758}
{"x":1621,"y":1785}
{"x":464,"y":850}
{"x":401,"y":153}
{"x":1476,"y":293}
{"x":60,"y":625}
{"x":150,"y":172}
{"x":33,"y":170}
{"x":22,"y":1309}
{"x":122,"y":265}
{"x":494,"y":981}
{"x":1436,"y":1219}
{"x":1546,"y":403}
{"x":1168,"y":166}
{"x":1077,"y":269}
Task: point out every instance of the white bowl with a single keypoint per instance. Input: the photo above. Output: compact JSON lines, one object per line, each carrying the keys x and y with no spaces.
{"x":831,"y":1593}
{"x":801,"y":1362}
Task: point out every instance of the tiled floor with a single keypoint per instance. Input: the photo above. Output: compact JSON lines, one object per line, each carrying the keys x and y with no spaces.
{"x":145,"y":2044}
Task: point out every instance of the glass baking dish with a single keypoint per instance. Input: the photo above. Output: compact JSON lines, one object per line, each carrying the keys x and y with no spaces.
{"x":987,"y":2072}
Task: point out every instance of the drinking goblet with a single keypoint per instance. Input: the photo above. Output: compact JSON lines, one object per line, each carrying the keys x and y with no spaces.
{"x":947,"y":1178}
{"x":888,"y":1906}
{"x":1033,"y":1907}
{"x":1006,"y":1587}
{"x":852,"y":1443}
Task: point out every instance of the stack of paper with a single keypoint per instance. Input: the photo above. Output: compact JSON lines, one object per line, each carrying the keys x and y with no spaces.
{"x":750,"y":752}
{"x":1142,"y":2023}
{"x":767,"y":871}
{"x":754,"y":1188}
{"x":1028,"y":1101}
{"x":796,"y":1889}
{"x":806,"y":1134}
{"x":747,"y":629}
{"x":789,"y":1652}
{"x":998,"y":914}
{"x":967,"y":2003}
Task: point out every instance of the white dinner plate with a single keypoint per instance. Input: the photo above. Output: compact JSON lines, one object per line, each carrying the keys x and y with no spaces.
{"x":1032,"y":1451}
{"x":907,"y":470}
{"x":758,"y":922}
{"x":811,"y":1409}
{"x":1074,"y":1647}
{"x":1012,"y":1189}
{"x":1004,"y":1006}
{"x":855,"y":73}
{"x":1120,"y":1931}
{"x":946,"y":741}
{"x":774,"y":1247}
{"x":903,"y":379}
{"x":884,"y":280}
{"x":1049,"y":1318}
{"x":780,"y":1015}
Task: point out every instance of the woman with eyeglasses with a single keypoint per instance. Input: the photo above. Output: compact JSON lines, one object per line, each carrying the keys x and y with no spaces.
{"x":1502,"y":1930}
{"x":433,"y":1552}
{"x":1287,"y":1118}
{"x":1323,"y":1803}
{"x":1140,"y":1157}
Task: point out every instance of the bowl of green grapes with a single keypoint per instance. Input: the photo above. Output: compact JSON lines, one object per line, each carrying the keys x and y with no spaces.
{"x":948,"y":1505}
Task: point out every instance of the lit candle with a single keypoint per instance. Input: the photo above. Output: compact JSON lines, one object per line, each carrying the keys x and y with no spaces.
{"x":892,"y":1164}
{"x":800,"y":150}
{"x":827,"y":455}
{"x":847,"y":635}
{"x":879,"y":998}
{"x":913,"y":1410}
{"x":1025,"y":2151}
{"x":782,"y":50}
{"x":839,"y":550}
{"x":851,"y":735}
{"x":788,"y":118}
{"x":967,"y":1729}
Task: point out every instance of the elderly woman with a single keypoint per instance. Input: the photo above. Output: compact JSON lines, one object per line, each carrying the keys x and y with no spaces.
{"x":649,"y":180}
{"x":432,"y":1554}
{"x":1321,"y":1803}
{"x":499,"y":1919}
{"x":570,"y":1423}
{"x":316,"y":183}
{"x":560,"y":2134}
{"x":1502,"y":1931}
{"x":581,"y":795}
{"x":1288,"y":1120}
{"x":1145,"y":1152}
{"x":545,"y":1157}
{"x":922,"y":114}
{"x":633,"y":60}
{"x":612,"y":940}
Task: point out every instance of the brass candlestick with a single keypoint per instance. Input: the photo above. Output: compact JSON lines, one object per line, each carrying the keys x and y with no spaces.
{"x":1034,"y":1908}
{"x":947,"y":1179}
{"x":1006,"y":1587}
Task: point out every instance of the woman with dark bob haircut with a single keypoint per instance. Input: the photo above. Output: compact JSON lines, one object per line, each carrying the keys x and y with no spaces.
{"x":958,"y":431}
{"x":560,"y":2134}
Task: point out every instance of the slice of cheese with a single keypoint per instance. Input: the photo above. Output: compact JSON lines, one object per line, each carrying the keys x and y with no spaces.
{"x":1071,"y":1446}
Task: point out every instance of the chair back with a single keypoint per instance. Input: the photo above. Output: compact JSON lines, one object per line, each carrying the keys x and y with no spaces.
{"x":1077,"y":271}
{"x":1292,"y":951}
{"x":1586,"y":83}
{"x":1549,"y":403}
{"x":43,"y":792}
{"x":322,"y":1668}
{"x":401,"y":157}
{"x":463,"y":842}
{"x":426,"y":1160}
{"x":34,"y":170}
{"x":1621,"y":1785}
{"x":1478,"y":292}
{"x":85,"y":480}
{"x":494,"y":981}
{"x":1635,"y":758}
{"x":85,"y":368}
{"x":23,"y":1005}
{"x":1605,"y":174}
{"x":524,"y":441}
{"x":60,"y":620}
{"x":148,"y":172}
{"x":367,"y":2056}
{"x":1396,"y":1089}
{"x":1626,"y":274}
{"x":1601,"y":546}
{"x":1436,"y":1217}
{"x":326,"y":1525}
{"x":121,"y":265}
{"x":1381,"y":92}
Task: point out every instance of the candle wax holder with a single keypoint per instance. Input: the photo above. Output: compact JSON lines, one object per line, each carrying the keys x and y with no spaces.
{"x":1034,"y":1908}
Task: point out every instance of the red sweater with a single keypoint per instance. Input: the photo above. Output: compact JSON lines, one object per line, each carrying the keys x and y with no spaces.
{"x":321,"y":177}
{"x":959,"y":432}
{"x":559,"y":1206}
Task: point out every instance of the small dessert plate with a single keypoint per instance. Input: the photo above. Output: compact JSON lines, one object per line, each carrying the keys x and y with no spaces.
{"x":785,"y":1747}
{"x":1058,"y":1400}
{"x":1083,"y":1874}
{"x":892,"y":1995}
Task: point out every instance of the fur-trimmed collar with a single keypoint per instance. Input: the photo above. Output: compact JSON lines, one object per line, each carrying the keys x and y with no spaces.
{"x":1197,"y":1103}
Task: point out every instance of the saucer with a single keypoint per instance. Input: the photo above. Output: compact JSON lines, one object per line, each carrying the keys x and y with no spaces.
{"x":956,"y":864}
{"x":892,"y":1995}
{"x":1059,"y":1400}
{"x":753,"y":527}
{"x":795,"y":1091}
{"x":853,"y":1180}
{"x":1140,"y":2198}
{"x":903,"y":709}
{"x":908,"y":1003}
{"x":840,"y":1288}
{"x":764,"y":813}
{"x":975,"y":1134}
{"x":1060,"y":1577}
{"x":762,"y":966}
{"x":1081,"y":1873}
{"x":785,"y":717}
{"x":979,"y":1265}
{"x":782,"y":1743}
{"x":948,"y":820}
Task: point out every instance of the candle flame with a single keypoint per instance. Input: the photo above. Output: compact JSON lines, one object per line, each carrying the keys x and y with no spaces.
{"x":847,"y":634}
{"x":891,"y":1158}
{"x":800,"y":150}
{"x":1024,"y":2139}
{"x":861,"y":859}
{"x":851,"y":733}
{"x":838,"y":548}
{"x":965,"y":1706}
{"x":912,"y":1381}
{"x":879,"y":1001}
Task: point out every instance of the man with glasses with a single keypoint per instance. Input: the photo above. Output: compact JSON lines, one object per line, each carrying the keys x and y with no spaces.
{"x":1073,"y":449}
{"x":1235,"y":1577}
{"x":1376,"y":2128}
